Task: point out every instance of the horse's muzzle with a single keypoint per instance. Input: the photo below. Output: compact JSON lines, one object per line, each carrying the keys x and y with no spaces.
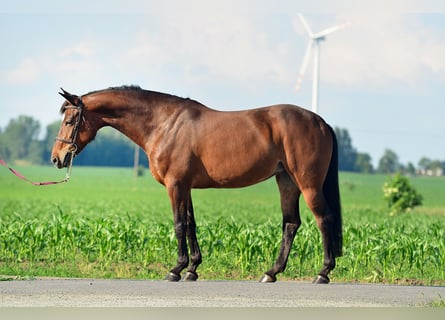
{"x":56,"y":161}
{"x":62,"y":164}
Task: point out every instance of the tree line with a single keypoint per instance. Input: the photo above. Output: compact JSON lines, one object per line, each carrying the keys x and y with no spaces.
{"x":20,"y":143}
{"x":352,"y":160}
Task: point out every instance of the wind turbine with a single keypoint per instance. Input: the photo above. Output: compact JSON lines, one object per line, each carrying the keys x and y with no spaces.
{"x":314,"y":43}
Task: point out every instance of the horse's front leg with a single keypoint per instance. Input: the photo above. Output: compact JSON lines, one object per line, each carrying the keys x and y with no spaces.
{"x":179,"y":198}
{"x":195,"y":252}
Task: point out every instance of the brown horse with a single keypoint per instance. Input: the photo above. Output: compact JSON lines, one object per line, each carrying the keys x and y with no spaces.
{"x":192,"y":146}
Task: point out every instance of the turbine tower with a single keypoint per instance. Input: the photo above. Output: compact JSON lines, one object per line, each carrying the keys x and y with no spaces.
{"x":314,"y":43}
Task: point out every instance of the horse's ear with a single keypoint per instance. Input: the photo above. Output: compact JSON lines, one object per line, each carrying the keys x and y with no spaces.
{"x":71,"y":98}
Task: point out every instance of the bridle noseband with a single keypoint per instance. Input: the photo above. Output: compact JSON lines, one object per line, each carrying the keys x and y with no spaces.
{"x":73,"y":138}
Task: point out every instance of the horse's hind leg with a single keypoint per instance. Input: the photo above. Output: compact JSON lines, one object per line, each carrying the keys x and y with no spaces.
{"x":289,"y":195}
{"x":195,"y":252}
{"x":325,"y":221}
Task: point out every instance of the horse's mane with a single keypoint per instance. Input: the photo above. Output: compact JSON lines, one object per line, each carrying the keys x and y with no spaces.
{"x":121,"y":88}
{"x":138,"y":89}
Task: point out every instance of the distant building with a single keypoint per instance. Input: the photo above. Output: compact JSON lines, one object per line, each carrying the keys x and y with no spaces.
{"x":436,"y":172}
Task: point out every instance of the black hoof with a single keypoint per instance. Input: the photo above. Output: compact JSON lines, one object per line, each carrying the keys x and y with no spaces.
{"x":268,"y":278}
{"x":321,"y":279}
{"x":190,"y":276}
{"x":173,"y":277}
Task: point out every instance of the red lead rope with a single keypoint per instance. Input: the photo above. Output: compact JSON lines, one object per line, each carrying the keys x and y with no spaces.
{"x":45,"y":183}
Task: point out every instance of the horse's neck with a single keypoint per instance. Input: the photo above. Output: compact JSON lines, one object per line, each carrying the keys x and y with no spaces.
{"x":135,"y":116}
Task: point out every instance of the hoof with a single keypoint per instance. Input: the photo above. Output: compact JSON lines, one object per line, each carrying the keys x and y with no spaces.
{"x":190,"y":276}
{"x":321,"y":279}
{"x":173,"y":277}
{"x":268,"y":278}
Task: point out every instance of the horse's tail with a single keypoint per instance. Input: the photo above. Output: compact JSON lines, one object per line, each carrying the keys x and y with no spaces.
{"x":331,"y":192}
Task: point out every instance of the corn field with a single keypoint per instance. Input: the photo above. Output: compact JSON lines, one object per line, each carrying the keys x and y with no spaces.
{"x":127,"y":247}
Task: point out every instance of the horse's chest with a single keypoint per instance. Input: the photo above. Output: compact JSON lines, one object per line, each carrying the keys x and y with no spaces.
{"x":170,"y":163}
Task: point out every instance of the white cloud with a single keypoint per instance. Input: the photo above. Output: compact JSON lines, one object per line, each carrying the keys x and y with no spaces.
{"x":26,"y":72}
{"x":376,"y":51}
{"x":196,"y":44}
{"x":210,"y":42}
{"x":79,"y":50}
{"x":78,"y":60}
{"x":433,"y":56}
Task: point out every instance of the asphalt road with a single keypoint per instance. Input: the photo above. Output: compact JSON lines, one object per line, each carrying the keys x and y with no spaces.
{"x":142,"y":293}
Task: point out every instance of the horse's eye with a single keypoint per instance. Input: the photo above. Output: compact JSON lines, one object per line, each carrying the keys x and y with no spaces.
{"x":69,"y":122}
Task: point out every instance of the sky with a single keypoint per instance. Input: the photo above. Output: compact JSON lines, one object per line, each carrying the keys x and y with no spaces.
{"x":382,"y":77}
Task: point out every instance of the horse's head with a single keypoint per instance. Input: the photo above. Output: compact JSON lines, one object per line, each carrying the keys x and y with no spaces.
{"x":74,"y":133}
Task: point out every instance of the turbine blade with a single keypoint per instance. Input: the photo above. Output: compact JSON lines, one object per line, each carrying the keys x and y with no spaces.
{"x":305,"y":24}
{"x":304,"y":65}
{"x":330,"y":30}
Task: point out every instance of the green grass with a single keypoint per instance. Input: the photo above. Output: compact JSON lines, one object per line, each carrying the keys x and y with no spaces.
{"x":106,"y":223}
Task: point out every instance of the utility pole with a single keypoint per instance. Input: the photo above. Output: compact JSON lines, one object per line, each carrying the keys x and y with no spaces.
{"x":136,"y":160}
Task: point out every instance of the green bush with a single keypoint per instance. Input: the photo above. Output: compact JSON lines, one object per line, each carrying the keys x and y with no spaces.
{"x":400,"y":194}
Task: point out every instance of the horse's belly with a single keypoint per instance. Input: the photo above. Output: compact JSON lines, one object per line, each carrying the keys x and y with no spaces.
{"x":237,"y":173}
{"x":236,"y":152}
